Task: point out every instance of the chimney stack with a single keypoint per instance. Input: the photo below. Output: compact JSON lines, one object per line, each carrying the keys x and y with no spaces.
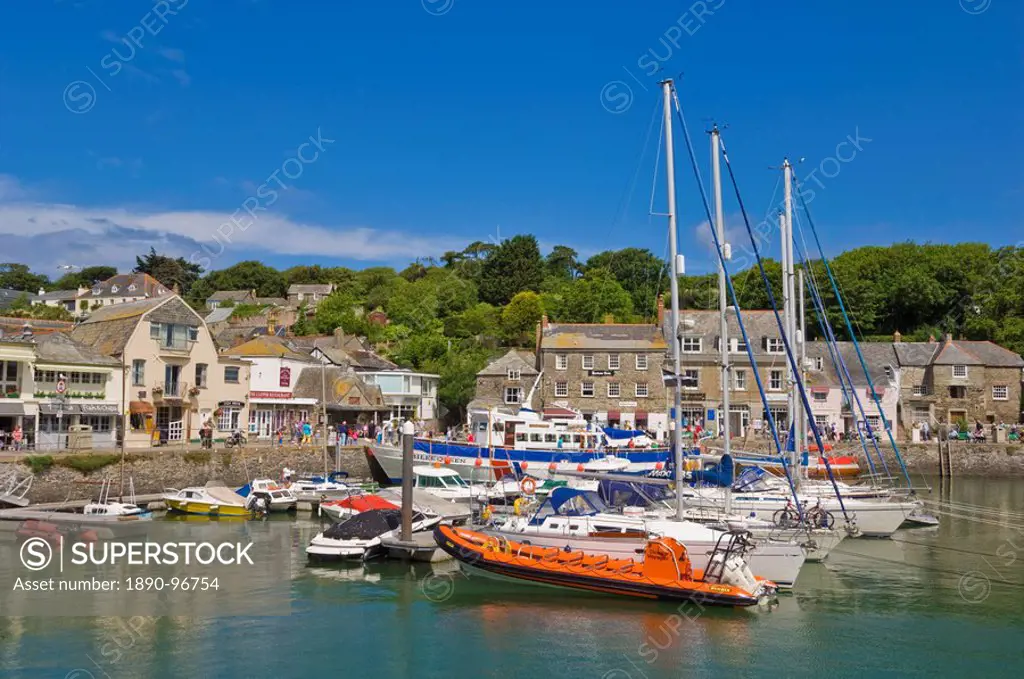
{"x":271,"y":324}
{"x":931,"y":339}
{"x":339,"y":338}
{"x":949,"y":338}
{"x":661,"y":311}
{"x":42,"y":292}
{"x":897,"y":337}
{"x":176,"y":289}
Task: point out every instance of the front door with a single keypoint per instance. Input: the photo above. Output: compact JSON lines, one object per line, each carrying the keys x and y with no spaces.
{"x":264,"y":421}
{"x":510,"y":435}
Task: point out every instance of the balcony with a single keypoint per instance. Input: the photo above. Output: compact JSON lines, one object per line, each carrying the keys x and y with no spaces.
{"x":170,"y":390}
{"x":176,"y":348}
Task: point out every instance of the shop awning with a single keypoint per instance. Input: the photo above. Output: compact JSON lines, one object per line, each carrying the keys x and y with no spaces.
{"x":640,"y":416}
{"x":614,"y":414}
{"x":819,"y":390}
{"x":141,"y":408}
{"x":9,"y":409}
{"x":563,"y":413}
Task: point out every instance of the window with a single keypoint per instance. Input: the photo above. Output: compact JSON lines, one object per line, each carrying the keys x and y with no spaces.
{"x":690,"y":378}
{"x":820,"y":396}
{"x":919,"y":390}
{"x":138,"y":373}
{"x":97,"y":378}
{"x":588,"y":361}
{"x":774,"y":345}
{"x":921,"y":414}
{"x":201,"y":369}
{"x":561,"y":389}
{"x":888,"y":372}
{"x":513,"y":394}
{"x":231,"y":374}
{"x":514,"y":375}
{"x":131,"y":288}
{"x":76,"y":378}
{"x":821,"y":421}
{"x":97,"y":422}
{"x":641,"y":390}
{"x":9,"y":377}
{"x":613,"y":361}
{"x":739,"y":380}
{"x":958,"y":392}
{"x":113,"y":288}
{"x":193,"y":333}
{"x":228,"y":418}
{"x":819,"y":363}
{"x":875,"y":422}
{"x":561,"y":362}
{"x":587,"y":389}
{"x":613,"y":390}
{"x":641,"y":361}
{"x":154,"y":331}
{"x":1000,"y":392}
{"x":737,"y":345}
{"x":959,"y":372}
{"x":692,"y":345}
{"x":775,"y":380}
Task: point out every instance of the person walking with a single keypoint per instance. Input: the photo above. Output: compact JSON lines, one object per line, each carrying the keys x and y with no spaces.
{"x":307,"y":433}
{"x":343,"y":433}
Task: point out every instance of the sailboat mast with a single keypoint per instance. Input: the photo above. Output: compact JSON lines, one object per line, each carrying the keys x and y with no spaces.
{"x":723,"y":303}
{"x":673,"y":246}
{"x":789,"y":297}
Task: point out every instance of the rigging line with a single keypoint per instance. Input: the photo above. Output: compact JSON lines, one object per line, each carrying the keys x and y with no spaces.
{"x":657,"y":162}
{"x":785,"y":340}
{"x":856,"y":345}
{"x":739,"y":316}
{"x":627,"y":199}
{"x":830,"y":339}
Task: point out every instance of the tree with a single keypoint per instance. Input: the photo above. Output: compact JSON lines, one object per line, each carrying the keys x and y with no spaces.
{"x":595,"y":296}
{"x":84,"y":278}
{"x":561,"y":263}
{"x":458,"y":369}
{"x":307,"y":275}
{"x":639,"y":272}
{"x":14,"y":276}
{"x":169,"y":271}
{"x":302,"y":326}
{"x":513,"y":267}
{"x":520,"y":317}
{"x":249,"y":275}
{"x":338,"y":310}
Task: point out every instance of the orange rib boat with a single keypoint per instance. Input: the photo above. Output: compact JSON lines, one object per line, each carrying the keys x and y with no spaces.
{"x":665,"y":573}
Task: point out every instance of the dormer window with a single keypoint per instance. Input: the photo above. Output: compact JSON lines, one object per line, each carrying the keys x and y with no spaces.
{"x":96,"y":291}
{"x":160,"y":291}
{"x":131,"y":288}
{"x":113,"y":288}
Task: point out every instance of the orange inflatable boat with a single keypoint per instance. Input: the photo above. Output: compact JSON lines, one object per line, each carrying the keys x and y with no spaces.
{"x":665,"y":573}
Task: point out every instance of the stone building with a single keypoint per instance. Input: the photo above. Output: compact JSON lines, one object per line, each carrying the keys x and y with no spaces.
{"x":953,"y":381}
{"x":610,"y":372}
{"x":505,"y":383}
{"x":831,"y":404}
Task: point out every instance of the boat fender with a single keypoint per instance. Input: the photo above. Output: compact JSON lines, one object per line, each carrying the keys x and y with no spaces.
{"x":580,"y":467}
{"x":517,"y":506}
{"x":486,"y":513}
{"x":528,"y":486}
{"x":447,"y":459}
{"x":552,"y":467}
{"x":478,"y":462}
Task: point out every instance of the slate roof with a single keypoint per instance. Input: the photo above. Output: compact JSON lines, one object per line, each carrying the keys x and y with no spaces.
{"x":603,"y":336}
{"x":145,"y":286}
{"x":11,"y":325}
{"x":991,"y":354}
{"x":108,"y":329}
{"x":341,"y":384}
{"x":56,"y":295}
{"x":58,"y":347}
{"x":515,"y":359}
{"x":957,"y":352}
{"x":322,"y":288}
{"x":877,"y":355}
{"x":220,"y":314}
{"x":232,"y":295}
{"x":916,"y":354}
{"x":8,"y":297}
{"x":759,"y":324}
{"x":269,"y":345}
{"x":272,"y":301}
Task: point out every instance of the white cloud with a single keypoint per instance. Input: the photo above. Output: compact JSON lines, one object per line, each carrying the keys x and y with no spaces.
{"x":181,"y":76}
{"x":172,"y":54}
{"x":42,"y":233}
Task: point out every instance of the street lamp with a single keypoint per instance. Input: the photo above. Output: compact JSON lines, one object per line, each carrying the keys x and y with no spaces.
{"x":60,"y":405}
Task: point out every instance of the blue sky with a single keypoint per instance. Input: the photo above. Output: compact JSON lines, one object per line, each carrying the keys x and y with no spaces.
{"x":441,"y":122}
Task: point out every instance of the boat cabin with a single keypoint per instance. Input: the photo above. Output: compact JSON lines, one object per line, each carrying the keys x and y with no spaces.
{"x":581,"y":513}
{"x":438,"y":478}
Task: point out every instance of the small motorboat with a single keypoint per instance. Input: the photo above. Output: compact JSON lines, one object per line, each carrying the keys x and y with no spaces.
{"x":447,"y":484}
{"x":339,"y":510}
{"x":213,"y":499}
{"x":666,"y":572}
{"x":316,"y":488}
{"x":359,"y":537}
{"x":275,"y":498}
{"x":105,"y":509}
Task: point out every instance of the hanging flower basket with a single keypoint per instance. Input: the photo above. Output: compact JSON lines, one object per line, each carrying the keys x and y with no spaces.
{"x":218,"y":412}
{"x":193,"y":391}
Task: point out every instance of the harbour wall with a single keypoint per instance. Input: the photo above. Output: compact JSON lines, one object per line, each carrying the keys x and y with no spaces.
{"x":966,"y":459}
{"x":154,"y":471}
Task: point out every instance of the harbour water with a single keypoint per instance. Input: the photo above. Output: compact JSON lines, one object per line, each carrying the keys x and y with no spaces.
{"x":931,"y":602}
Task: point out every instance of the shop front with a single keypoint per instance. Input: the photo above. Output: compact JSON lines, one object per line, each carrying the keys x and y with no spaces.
{"x":275,"y":411}
{"x":13,"y":415}
{"x":56,"y":419}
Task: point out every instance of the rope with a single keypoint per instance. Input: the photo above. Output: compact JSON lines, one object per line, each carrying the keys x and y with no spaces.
{"x":853,"y":337}
{"x":785,"y":340}
{"x":736,"y":304}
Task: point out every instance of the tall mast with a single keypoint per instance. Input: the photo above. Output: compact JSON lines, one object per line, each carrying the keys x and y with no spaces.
{"x":789,"y":295}
{"x":723,"y":305}
{"x":673,"y":246}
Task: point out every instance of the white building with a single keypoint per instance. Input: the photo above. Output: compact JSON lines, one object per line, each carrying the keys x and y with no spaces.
{"x":274,"y":373}
{"x":829,"y":403}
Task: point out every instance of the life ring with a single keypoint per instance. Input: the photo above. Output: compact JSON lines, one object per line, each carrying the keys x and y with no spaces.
{"x":528,"y":486}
